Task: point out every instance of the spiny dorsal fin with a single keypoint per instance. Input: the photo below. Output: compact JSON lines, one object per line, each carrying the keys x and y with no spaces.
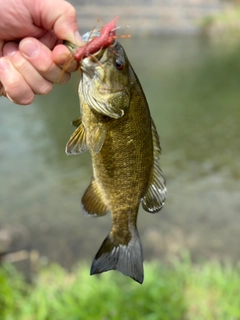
{"x":93,"y":202}
{"x":77,"y":142}
{"x":154,"y":199}
{"x":98,"y":136}
{"x":77,"y":122}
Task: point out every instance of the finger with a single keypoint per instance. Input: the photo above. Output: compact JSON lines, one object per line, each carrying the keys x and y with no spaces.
{"x":15,"y":86}
{"x":41,"y":59}
{"x":1,"y":47}
{"x":35,"y":80}
{"x":63,"y":58}
{"x":62,"y":19}
{"x":49,"y":39}
{"x":2,"y":90}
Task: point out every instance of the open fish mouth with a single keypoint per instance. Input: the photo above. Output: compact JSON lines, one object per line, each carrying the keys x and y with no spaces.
{"x":90,"y":64}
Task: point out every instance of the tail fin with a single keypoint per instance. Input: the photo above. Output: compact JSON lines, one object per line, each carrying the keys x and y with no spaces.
{"x":127,"y":258}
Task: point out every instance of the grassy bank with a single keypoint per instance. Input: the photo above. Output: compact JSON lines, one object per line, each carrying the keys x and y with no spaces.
{"x":182,"y":291}
{"x":224,"y":25}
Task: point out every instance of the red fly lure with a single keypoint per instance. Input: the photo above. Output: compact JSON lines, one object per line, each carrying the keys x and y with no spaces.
{"x":104,"y":40}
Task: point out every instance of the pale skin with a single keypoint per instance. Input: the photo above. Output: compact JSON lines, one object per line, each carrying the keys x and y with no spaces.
{"x":32,"y":56}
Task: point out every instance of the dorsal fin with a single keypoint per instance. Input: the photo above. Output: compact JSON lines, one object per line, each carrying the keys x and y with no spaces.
{"x":154,"y":199}
{"x":77,"y":142}
{"x":156,"y":142}
{"x":155,"y":196}
{"x":93,"y":202}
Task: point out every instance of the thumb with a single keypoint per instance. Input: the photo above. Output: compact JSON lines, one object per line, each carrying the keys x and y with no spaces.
{"x":61,"y":17}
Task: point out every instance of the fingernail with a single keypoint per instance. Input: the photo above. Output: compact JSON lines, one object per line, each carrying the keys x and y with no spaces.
{"x":78,"y":38}
{"x":29,"y":48}
{"x":10,"y":49}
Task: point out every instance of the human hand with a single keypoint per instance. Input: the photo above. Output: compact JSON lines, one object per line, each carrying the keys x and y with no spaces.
{"x":29,"y":31}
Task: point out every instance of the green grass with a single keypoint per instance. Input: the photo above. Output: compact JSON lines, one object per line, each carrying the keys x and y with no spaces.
{"x":223,"y":25}
{"x":179,"y":291}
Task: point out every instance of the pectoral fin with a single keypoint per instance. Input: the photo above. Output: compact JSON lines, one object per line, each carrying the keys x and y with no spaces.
{"x":154,"y":199}
{"x":98,"y":136}
{"x":77,"y":142}
{"x":93,"y":202}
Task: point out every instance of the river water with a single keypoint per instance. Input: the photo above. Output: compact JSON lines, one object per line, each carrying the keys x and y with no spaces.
{"x":192,"y":87}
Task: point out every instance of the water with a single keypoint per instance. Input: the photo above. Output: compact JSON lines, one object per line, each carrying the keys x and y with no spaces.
{"x":192,"y":87}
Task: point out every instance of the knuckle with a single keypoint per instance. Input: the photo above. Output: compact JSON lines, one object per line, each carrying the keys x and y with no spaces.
{"x":46,"y":67}
{"x":70,"y":10}
{"x":18,"y":61}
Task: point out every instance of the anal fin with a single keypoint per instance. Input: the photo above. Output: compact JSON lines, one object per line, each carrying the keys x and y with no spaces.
{"x":93,"y":202}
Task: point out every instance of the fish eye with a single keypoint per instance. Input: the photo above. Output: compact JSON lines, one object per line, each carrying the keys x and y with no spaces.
{"x":119,"y":64}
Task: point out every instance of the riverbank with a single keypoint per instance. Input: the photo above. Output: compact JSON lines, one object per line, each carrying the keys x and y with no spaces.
{"x":224,"y":25}
{"x":192,"y":87}
{"x":180,"y":290}
{"x":147,"y":17}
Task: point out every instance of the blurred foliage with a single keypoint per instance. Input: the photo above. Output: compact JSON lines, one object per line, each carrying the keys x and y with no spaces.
{"x":224,"y":25}
{"x":177,"y":291}
{"x":12,"y":287}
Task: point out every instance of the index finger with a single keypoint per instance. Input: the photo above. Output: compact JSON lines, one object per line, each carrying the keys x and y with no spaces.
{"x":62,"y":57}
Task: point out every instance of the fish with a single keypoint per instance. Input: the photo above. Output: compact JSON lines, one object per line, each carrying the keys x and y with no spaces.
{"x":116,"y":127}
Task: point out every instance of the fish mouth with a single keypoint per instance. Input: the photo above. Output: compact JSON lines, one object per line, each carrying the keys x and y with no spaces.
{"x":89,"y":71}
{"x":104,"y":90}
{"x":89,"y":66}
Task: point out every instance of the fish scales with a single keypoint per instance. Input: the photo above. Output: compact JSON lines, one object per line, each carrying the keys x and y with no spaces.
{"x":117,"y":129}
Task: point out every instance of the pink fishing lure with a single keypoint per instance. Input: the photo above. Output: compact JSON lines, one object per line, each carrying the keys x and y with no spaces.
{"x":104,"y":40}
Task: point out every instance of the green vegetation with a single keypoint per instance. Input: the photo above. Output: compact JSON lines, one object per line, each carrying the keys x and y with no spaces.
{"x":179,"y":291}
{"x":223,"y":25}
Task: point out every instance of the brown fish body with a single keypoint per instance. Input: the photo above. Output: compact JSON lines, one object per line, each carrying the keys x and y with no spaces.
{"x":123,"y":165}
{"x":117,"y":129}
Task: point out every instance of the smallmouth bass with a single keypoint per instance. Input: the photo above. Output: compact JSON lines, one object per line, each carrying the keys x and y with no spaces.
{"x":117,"y":129}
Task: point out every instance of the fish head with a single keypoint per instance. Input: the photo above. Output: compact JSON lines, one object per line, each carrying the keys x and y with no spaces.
{"x":105,"y":81}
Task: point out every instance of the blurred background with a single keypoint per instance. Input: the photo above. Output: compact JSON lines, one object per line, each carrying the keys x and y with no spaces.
{"x":186,"y":55}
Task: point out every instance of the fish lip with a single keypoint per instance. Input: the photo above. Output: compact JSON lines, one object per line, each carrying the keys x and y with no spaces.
{"x":109,"y":91}
{"x":104,"y":90}
{"x":88,"y":71}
